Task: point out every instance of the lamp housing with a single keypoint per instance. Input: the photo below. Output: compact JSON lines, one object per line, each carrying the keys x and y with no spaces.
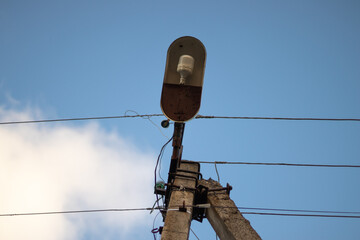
{"x":183,"y":79}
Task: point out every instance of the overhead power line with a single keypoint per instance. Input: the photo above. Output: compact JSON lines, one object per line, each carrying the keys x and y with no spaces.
{"x":282,"y":164}
{"x":76,"y":211}
{"x":301,"y":215}
{"x":325,"y":213}
{"x":161,"y":115}
{"x":279,"y":118}
{"x":293,"y":210}
{"x":82,"y":119}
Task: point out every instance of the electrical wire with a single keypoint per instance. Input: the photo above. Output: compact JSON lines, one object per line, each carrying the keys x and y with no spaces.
{"x":82,"y":119}
{"x":278,"y":118}
{"x":160,"y":158}
{"x":155,"y":230}
{"x":301,"y":215}
{"x":217,"y":173}
{"x":194,"y":234}
{"x":270,"y":209}
{"x":149,"y":209}
{"x":197,"y":117}
{"x":291,"y":210}
{"x":157,"y":163}
{"x":147,"y":118}
{"x":76,"y":211}
{"x":333,"y":215}
{"x":281,"y":164}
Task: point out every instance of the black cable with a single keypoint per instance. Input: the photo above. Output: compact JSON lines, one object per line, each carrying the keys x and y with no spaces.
{"x":273,"y":209}
{"x":194,"y":234}
{"x":282,"y":164}
{"x":217,"y":173}
{"x":157,"y":163}
{"x":149,"y":209}
{"x":290,"y":210}
{"x":301,"y":215}
{"x":197,"y":117}
{"x":82,"y":119}
{"x":147,"y":118}
{"x":76,"y":211}
{"x":279,"y":118}
{"x":155,"y":230}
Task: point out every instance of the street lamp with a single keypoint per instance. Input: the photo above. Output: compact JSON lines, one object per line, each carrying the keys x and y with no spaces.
{"x":181,"y":93}
{"x":183,"y":80}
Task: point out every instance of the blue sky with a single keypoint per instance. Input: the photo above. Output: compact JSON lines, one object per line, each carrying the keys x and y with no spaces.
{"x":63,"y":59}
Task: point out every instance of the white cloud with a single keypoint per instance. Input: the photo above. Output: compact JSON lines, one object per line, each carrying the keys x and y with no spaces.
{"x":55,"y":167}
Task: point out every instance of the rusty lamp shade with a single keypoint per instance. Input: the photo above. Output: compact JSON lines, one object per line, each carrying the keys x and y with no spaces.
{"x":183,"y":80}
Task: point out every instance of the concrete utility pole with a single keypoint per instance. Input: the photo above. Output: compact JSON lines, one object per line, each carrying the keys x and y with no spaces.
{"x":177,"y":221}
{"x":224,"y":216}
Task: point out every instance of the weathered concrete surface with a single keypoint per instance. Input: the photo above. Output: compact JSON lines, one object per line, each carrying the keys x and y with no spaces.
{"x":224,"y":217}
{"x":177,"y":224}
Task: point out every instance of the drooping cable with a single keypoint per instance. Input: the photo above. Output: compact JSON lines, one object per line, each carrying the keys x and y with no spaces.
{"x":156,"y":166}
{"x":154,"y":230}
{"x":147,"y":118}
{"x":217,"y":173}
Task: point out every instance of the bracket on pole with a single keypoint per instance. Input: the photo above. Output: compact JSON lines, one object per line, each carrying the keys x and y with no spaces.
{"x":175,"y":158}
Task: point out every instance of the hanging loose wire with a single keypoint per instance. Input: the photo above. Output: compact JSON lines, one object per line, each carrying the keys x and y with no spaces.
{"x":160,"y":158}
{"x":217,"y":173}
{"x":154,"y":230}
{"x":156,"y":166}
{"x":158,"y":162}
{"x":148,"y":118}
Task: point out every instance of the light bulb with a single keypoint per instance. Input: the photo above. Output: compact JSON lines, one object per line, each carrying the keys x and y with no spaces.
{"x":185,"y":67}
